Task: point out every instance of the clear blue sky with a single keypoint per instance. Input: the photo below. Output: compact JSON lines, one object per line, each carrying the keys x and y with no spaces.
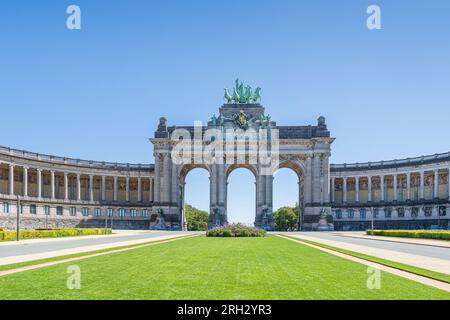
{"x":97,"y":93}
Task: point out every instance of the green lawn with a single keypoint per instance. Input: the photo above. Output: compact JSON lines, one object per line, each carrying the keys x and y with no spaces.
{"x":214,"y":268}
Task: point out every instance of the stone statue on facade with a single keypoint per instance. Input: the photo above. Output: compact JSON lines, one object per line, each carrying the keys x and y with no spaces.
{"x":242,"y":94}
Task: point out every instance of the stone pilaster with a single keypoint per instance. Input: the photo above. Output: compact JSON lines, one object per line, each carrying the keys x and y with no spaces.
{"x":39,"y":183}
{"x":52,"y":182}
{"x":408,"y":186}
{"x":25,"y":181}
{"x":66,"y":186}
{"x":11,"y":179}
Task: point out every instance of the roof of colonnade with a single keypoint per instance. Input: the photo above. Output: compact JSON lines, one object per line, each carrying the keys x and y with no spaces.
{"x":422,"y":160}
{"x":72,"y":161}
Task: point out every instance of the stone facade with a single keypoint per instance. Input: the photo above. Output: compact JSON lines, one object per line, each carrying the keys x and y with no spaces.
{"x":399,"y":194}
{"x":63,"y":192}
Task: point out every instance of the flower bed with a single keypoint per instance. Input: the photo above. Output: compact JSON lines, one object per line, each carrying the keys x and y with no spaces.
{"x":6,"y":235}
{"x":236,"y":230}
{"x":422,"y":234}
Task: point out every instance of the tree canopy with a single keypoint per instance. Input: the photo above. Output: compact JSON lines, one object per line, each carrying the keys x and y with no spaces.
{"x":286,"y":218}
{"x":196,"y":219}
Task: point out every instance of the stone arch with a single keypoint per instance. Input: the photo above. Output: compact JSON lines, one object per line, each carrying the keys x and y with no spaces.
{"x":230,"y":168}
{"x":183,"y":172}
{"x":299,"y":169}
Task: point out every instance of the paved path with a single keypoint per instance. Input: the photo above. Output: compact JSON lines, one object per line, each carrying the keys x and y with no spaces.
{"x":25,"y":250}
{"x":423,"y":256}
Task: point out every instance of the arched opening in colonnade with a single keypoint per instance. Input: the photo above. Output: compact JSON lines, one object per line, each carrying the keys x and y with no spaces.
{"x":195,"y":192}
{"x":241,"y":195}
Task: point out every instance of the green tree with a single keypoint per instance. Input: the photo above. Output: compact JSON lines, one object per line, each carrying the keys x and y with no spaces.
{"x":197,"y":220}
{"x":286,"y":218}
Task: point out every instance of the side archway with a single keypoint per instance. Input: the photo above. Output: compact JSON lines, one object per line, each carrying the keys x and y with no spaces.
{"x":184,"y":172}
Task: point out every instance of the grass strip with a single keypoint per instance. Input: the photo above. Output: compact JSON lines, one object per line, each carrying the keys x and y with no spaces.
{"x":393,"y":264}
{"x":82,"y":254}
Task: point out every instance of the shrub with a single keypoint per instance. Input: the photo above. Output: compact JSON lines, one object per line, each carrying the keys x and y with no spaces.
{"x":421,"y":234}
{"x":236,"y":230}
{"x":52,"y":233}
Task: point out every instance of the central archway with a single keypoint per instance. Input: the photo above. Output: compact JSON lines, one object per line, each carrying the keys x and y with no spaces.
{"x":241,"y":194}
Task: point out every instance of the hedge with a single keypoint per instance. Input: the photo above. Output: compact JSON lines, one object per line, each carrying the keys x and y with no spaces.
{"x":52,"y":233}
{"x":236,"y":230}
{"x":422,"y":234}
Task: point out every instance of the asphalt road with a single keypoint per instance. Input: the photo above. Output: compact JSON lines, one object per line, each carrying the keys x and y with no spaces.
{"x":421,"y":250}
{"x":23,"y":248}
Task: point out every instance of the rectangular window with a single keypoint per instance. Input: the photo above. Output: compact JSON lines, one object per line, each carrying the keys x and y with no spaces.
{"x":428,"y":211}
{"x":85,"y":211}
{"x":351,"y":214}
{"x":121,"y":212}
{"x":375,"y":213}
{"x":388,"y":213}
{"x":98,"y":212}
{"x":110,"y":212}
{"x":5,"y":207}
{"x":33,"y":209}
{"x":145,"y":213}
{"x":401,"y":212}
{"x":133,"y":212}
{"x":46,"y":210}
{"x":415,"y":212}
{"x":73,"y":211}
{"x":59,"y":211}
{"x":362,"y":214}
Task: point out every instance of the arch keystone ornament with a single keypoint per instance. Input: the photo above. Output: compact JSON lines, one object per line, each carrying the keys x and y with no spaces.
{"x":242,"y":136}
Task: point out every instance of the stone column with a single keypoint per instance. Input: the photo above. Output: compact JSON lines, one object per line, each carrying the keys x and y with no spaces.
{"x":115,"y":189}
{"x":11,"y":179}
{"x":66,"y":186}
{"x":78,"y":187}
{"x":269,"y":191}
{"x":332,"y":191}
{"x":308,"y":184}
{"x":448,"y":184}
{"x":395,"y":187}
{"x":422,"y":184}
{"x":222,"y":185}
{"x":91,"y":187}
{"x":369,"y":188}
{"x":156,"y":191}
{"x":357,"y":189}
{"x":213,"y":186}
{"x":408,"y":186}
{"x":436,"y":184}
{"x":127,"y":189}
{"x":344,"y":190}
{"x":167,"y":180}
{"x":103,"y":188}
{"x":150,"y":190}
{"x":139,"y":189}
{"x":39,"y":183}
{"x":52,"y":182}
{"x":382,"y":188}
{"x":25,"y":181}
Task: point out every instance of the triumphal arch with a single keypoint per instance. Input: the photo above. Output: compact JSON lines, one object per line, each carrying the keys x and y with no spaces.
{"x":243,"y":135}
